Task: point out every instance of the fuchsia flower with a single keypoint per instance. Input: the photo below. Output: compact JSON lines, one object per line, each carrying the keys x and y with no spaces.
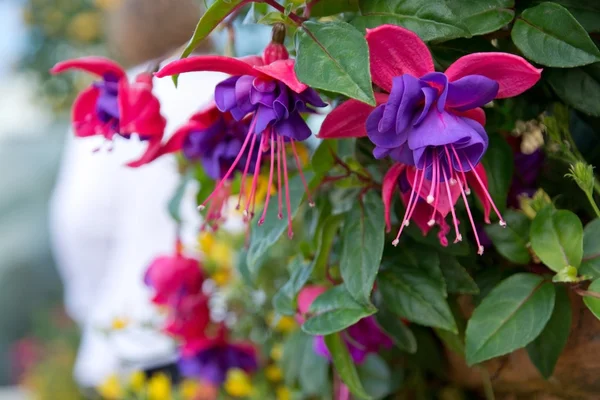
{"x":430,"y":122}
{"x":267,"y":91}
{"x":209,"y":359}
{"x":362,"y":338}
{"x":114,"y":106}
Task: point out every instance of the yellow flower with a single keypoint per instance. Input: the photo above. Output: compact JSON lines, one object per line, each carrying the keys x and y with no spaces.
{"x":189,"y":389}
{"x":119,"y":323}
{"x":111,"y":389}
{"x":107,"y":4}
{"x":159,"y":387}
{"x":221,"y":277}
{"x":276,"y":352}
{"x":273,"y":373}
{"x":283,"y":393}
{"x":238,"y":383}
{"x":285,"y":324}
{"x":206,"y":240}
{"x":137,"y":380}
{"x":85,"y":26}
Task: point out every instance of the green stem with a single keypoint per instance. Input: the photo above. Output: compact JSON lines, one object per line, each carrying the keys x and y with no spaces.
{"x":592,"y":202}
{"x":488,"y":389}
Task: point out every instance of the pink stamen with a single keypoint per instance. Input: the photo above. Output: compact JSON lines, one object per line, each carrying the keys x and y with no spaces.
{"x":231,"y":169}
{"x":287,"y":190}
{"x":434,"y":168}
{"x":279,"y":192}
{"x":264,"y":213}
{"x":454,"y":219}
{"x":246,"y":167}
{"x":464,"y":177}
{"x":413,"y":195}
{"x":252,"y":198}
{"x":311,"y":203}
{"x":487,"y":194}
{"x":464,"y":196}
{"x":418,"y":194}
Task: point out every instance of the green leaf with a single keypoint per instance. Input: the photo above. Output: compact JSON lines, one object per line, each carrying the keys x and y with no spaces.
{"x":549,"y":35}
{"x":175,"y":202}
{"x":397,"y":330}
{"x":322,"y":160}
{"x":557,"y":238}
{"x":284,"y":301}
{"x":511,"y":241}
{"x":301,"y":364}
{"x":375,"y":376}
{"x":456,"y":277}
{"x":432,"y":20}
{"x":586,"y":12}
{"x":334,"y":56}
{"x":444,"y":54}
{"x":452,"y":341}
{"x":499,"y":166}
{"x":362,"y":247}
{"x":242,"y":268}
{"x":590,"y":264}
{"x":344,"y":365}
{"x":262,"y":237}
{"x":326,"y":8}
{"x":483,"y":17}
{"x":546,"y":348}
{"x":335,"y":310}
{"x":510,"y":317}
{"x":578,"y":87}
{"x":328,"y":234}
{"x":591,"y":302}
{"x":414,"y":294}
{"x":216,"y":13}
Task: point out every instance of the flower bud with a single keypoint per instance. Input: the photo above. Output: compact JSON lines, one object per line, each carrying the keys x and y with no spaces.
{"x":276,"y":49}
{"x":583,"y":175}
{"x":531,"y":205}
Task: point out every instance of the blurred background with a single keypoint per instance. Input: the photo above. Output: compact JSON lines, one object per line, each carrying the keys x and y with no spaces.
{"x":38,"y":341}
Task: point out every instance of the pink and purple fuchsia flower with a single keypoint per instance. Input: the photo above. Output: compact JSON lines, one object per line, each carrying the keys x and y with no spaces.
{"x":431,"y":121}
{"x":267,"y":91}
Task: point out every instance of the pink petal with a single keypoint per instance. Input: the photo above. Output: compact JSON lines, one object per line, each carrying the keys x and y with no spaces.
{"x":252,"y":60}
{"x":348,"y":119}
{"x":84,"y":117}
{"x":140,"y":110}
{"x":476,"y":114}
{"x":479,"y":191}
{"x":395,"y":51}
{"x":152,"y":152}
{"x":283,"y":70}
{"x":513,"y":73}
{"x":307,"y":295}
{"x":389,"y":185}
{"x":444,"y":205}
{"x":95,"y":65}
{"x":228,"y":65}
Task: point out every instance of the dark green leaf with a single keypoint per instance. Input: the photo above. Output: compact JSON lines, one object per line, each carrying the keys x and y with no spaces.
{"x":511,"y":241}
{"x":375,"y":376}
{"x":325,"y":8}
{"x":302,"y":365}
{"x":429,"y":351}
{"x":498,"y":162}
{"x":549,"y":35}
{"x":322,"y":160}
{"x":412,"y":293}
{"x":328,"y":234}
{"x":362,"y":246}
{"x":593,"y":303}
{"x":334,"y":56}
{"x":284,"y":301}
{"x":586,"y":12}
{"x":510,"y":317}
{"x":578,"y":87}
{"x":216,"y":13}
{"x":456,"y":276}
{"x":546,"y":348}
{"x":432,"y":20}
{"x":398,"y":331}
{"x":344,"y":365}
{"x":446,"y":53}
{"x":264,"y":236}
{"x":482,"y":17}
{"x":557,"y":238}
{"x":590,"y":265}
{"x":335,"y":310}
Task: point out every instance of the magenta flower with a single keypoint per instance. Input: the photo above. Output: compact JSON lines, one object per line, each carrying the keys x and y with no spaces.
{"x":114,"y":106}
{"x":362,"y":338}
{"x":266,"y":91}
{"x":431,"y":120}
{"x":209,"y":359}
{"x":172,"y":277}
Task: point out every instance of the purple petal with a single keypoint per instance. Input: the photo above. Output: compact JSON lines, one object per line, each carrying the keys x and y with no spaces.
{"x":388,"y":139}
{"x":263,"y":117}
{"x":473,"y":150}
{"x":438,"y":81}
{"x":381,"y":152}
{"x":320,"y":348}
{"x":311,"y":97}
{"x":225,"y":98}
{"x":281,"y":103}
{"x":293,"y":127}
{"x":243,"y":87}
{"x":430,"y":96}
{"x":471,"y":91}
{"x":403,"y":155}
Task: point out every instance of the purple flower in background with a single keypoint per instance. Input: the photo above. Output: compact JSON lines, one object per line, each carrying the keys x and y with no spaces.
{"x":363,"y":338}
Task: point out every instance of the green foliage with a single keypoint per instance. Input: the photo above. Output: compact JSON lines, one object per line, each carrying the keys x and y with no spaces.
{"x":344,"y":365}
{"x":512,"y":240}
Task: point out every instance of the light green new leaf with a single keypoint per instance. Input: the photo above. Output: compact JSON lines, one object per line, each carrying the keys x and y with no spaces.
{"x":590,"y":264}
{"x":593,"y":303}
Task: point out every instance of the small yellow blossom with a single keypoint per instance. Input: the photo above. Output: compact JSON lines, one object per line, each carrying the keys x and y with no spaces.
{"x":189,"y":389}
{"x":85,"y":26}
{"x":273,"y":373}
{"x":159,"y":387}
{"x":238,"y":383}
{"x":283,"y":393}
{"x":285,"y":324}
{"x":221,"y":277}
{"x":276,"y":352}
{"x":111,"y":389}
{"x":137,"y":380}
{"x":119,"y":323}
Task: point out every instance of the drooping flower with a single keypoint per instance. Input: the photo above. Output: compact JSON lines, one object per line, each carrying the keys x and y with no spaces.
{"x":267,"y":91}
{"x":209,"y":359}
{"x":114,"y":106}
{"x":362,"y":338}
{"x":173,"y":277}
{"x":429,"y":120}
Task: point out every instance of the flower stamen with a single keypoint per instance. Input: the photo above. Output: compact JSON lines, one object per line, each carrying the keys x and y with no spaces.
{"x":502,"y":222}
{"x":311,"y":203}
{"x":272,"y":140}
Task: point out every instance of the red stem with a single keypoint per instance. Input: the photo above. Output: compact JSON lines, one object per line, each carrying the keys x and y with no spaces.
{"x":295,"y":18}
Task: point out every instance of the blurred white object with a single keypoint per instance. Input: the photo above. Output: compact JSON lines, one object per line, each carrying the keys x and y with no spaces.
{"x":108,"y":222}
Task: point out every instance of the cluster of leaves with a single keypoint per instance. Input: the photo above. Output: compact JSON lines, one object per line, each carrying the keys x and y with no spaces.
{"x":519,"y":289}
